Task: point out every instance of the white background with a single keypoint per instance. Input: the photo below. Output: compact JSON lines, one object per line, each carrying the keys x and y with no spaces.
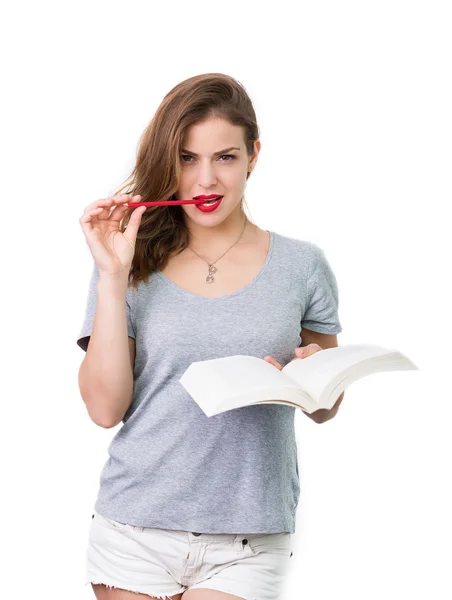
{"x":353,"y":102}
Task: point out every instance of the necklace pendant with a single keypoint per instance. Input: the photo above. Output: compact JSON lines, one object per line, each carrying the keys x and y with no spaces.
{"x":212,"y":270}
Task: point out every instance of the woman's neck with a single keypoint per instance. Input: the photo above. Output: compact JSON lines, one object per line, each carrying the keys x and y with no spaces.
{"x":218,"y":239}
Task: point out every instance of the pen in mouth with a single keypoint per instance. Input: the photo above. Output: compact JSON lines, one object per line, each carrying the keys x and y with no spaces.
{"x":196,"y":200}
{"x":165,"y":202}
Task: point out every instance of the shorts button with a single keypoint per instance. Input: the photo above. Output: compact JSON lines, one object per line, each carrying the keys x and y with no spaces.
{"x":244,"y":542}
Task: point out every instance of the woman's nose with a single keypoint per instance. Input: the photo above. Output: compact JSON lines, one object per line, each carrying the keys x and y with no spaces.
{"x":207,"y":175}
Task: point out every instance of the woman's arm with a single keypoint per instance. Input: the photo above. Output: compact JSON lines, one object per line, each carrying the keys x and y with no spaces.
{"x":325,"y":414}
{"x":324,"y":341}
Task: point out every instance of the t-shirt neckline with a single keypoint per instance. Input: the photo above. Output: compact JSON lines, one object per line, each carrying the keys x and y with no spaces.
{"x":231,"y":294}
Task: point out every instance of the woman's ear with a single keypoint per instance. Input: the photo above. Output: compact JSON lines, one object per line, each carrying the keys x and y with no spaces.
{"x":253,"y":159}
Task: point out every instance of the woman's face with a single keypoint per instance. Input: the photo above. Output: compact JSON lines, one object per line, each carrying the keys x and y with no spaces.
{"x":214,"y":160}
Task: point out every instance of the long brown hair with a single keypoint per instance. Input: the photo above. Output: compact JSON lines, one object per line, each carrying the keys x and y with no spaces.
{"x":156,"y":174}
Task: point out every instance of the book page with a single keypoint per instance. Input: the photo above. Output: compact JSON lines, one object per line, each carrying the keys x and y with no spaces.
{"x":212,"y":382}
{"x":369,"y":366}
{"x":239,"y":372}
{"x":327,"y":373}
{"x":311,"y":383}
{"x":325,"y":368}
{"x":288,"y":396}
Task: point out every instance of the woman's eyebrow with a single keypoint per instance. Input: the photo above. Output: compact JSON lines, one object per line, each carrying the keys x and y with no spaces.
{"x":214,"y":154}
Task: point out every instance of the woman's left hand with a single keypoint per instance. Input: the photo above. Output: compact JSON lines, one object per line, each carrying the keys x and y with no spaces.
{"x":322,"y":414}
{"x":302,"y":352}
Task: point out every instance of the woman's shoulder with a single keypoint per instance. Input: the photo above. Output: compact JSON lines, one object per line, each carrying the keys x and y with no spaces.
{"x":294,"y":244}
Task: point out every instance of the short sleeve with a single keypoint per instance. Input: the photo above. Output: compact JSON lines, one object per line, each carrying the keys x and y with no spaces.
{"x":322,"y":297}
{"x":90,"y":310}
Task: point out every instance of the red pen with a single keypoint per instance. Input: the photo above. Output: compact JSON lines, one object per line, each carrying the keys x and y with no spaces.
{"x":165,"y":202}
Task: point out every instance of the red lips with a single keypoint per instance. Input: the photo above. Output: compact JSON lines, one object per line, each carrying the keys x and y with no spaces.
{"x":215,"y":204}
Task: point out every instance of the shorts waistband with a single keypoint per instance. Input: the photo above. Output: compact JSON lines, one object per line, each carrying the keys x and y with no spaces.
{"x":195,"y":536}
{"x":211,"y":536}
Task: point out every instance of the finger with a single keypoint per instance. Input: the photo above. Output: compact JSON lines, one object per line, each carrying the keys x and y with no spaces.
{"x":133,"y":225}
{"x":308,"y":350}
{"x":88,"y":215}
{"x":302,"y":352}
{"x":272,"y":361}
{"x":113,"y":213}
{"x":117,"y":199}
{"x":86,"y":220}
{"x":118,"y":210}
{"x":103,"y":202}
{"x":122,"y":196}
{"x":103,"y":213}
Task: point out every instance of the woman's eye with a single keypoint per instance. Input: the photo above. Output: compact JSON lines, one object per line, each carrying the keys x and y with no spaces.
{"x":230,"y":156}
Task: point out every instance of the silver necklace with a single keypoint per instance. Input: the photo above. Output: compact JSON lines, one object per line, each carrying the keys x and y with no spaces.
{"x":212,"y":269}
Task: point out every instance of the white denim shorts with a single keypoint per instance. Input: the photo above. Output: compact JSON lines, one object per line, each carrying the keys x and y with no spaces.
{"x":165,"y":562}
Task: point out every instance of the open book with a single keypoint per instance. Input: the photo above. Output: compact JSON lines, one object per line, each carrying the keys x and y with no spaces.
{"x":309,"y":383}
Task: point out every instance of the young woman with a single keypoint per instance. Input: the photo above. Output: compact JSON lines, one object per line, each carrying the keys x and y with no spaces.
{"x":189,"y":506}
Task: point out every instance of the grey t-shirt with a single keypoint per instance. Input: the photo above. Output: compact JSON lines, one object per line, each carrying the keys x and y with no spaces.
{"x":172,"y":467}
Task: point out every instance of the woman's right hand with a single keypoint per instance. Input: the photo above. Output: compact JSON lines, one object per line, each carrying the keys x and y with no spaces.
{"x":112,"y":250}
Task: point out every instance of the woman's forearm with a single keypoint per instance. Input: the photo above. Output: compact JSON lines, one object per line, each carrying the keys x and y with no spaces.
{"x":325,"y":414}
{"x":106,"y":374}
